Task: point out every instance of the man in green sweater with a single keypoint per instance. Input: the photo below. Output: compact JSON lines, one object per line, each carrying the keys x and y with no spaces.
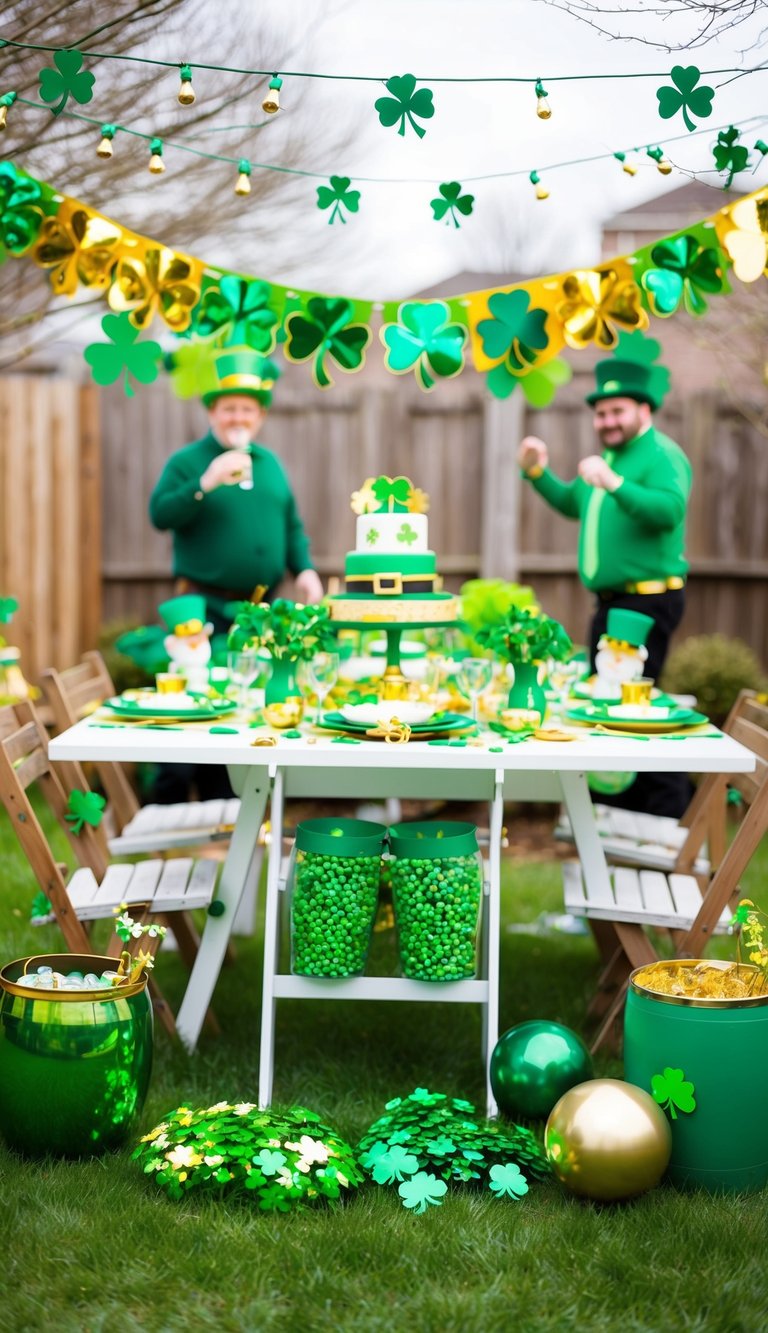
{"x":631,"y":499}
{"x":228,"y":502}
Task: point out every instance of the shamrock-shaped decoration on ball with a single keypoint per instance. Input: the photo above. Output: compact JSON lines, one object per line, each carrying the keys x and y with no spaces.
{"x":682,"y":269}
{"x":451,"y":201}
{"x":339,"y":196}
{"x":671,"y":1090}
{"x":123,"y":354}
{"x":422,"y":1191}
{"x":685,"y":96}
{"x":425,"y":341}
{"x":325,"y":328}
{"x":84,"y":807}
{"x":68,"y":79}
{"x":729,"y":155}
{"x":405,"y":102}
{"x":237,"y":311}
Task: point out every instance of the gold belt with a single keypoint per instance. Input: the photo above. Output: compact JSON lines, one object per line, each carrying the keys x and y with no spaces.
{"x":655,"y":585}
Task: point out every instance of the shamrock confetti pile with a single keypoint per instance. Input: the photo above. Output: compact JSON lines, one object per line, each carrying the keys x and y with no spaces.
{"x":428,"y":1139}
{"x":285,"y":1159}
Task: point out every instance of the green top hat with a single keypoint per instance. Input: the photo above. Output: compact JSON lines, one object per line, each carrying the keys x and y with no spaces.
{"x":629,"y":626}
{"x":241,"y":370}
{"x":184,"y":615}
{"x":628,"y":379}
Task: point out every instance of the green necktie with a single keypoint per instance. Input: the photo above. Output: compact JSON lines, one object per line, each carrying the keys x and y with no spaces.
{"x":590,"y":560}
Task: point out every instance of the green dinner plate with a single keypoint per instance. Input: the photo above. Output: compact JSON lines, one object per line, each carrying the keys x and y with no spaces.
{"x":205,"y":710}
{"x":441,"y":722}
{"x":678,"y":717}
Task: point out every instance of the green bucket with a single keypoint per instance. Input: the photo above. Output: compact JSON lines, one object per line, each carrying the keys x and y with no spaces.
{"x":437,"y":886}
{"x":721,"y":1047}
{"x":333,"y":890}
{"x":74,"y":1065}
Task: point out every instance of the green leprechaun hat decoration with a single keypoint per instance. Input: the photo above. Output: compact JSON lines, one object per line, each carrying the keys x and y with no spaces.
{"x":628,"y":379}
{"x":241,"y":370}
{"x":184,"y":615}
{"x":630,"y":627}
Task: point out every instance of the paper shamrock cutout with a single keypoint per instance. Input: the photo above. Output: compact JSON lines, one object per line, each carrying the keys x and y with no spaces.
{"x":192,"y":369}
{"x":84,"y":807}
{"x":324,"y":328}
{"x":539,"y":386}
{"x":747,"y":244}
{"x":391,"y":494}
{"x":123,"y":354}
{"x":729,"y":155}
{"x":340,"y":196}
{"x":422,"y":1191}
{"x":393,"y":1163}
{"x":40,"y":912}
{"x":670,"y":1090}
{"x":685,"y":96}
{"x":425,"y":341}
{"x":8,"y":608}
{"x":514,"y":331}
{"x":508,"y":1179}
{"x":405,"y":103}
{"x":450,"y":201}
{"x":21,"y":212}
{"x":237,"y":312}
{"x":68,"y":79}
{"x":682,"y":270}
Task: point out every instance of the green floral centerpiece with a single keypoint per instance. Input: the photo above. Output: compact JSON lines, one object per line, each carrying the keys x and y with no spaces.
{"x":525,"y":637}
{"x":289,"y":632}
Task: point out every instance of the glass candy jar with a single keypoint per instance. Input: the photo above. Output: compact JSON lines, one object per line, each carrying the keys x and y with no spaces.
{"x":437,"y":885}
{"x":333,"y":892}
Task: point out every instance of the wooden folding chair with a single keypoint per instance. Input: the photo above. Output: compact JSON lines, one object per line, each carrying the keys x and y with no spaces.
{"x":162,"y":890}
{"x":676,"y":902}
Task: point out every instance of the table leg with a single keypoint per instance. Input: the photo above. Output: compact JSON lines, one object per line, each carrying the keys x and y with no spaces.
{"x":581,"y":813}
{"x":271,"y":944}
{"x":491,"y":943}
{"x":218,"y":929}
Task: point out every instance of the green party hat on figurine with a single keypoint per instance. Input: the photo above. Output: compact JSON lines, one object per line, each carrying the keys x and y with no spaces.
{"x":185,"y":615}
{"x":241,"y":370}
{"x":628,"y":379}
{"x":630,"y":627}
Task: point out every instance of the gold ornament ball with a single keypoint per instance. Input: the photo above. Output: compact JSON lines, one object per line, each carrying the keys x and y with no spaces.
{"x":608,"y":1140}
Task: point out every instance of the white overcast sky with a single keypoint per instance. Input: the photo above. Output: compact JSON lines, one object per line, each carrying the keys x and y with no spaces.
{"x":397,"y":247}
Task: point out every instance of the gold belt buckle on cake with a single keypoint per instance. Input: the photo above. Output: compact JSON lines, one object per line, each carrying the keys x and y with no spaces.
{"x":387,"y":584}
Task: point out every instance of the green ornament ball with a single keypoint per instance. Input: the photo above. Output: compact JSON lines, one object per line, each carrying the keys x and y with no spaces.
{"x":610,"y":784}
{"x":533,"y":1064}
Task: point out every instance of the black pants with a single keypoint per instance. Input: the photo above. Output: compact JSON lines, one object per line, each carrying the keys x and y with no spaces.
{"x":652,"y":793}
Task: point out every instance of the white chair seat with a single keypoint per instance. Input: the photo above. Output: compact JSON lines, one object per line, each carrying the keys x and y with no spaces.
{"x":185,"y":823}
{"x":637,"y":839}
{"x":639,"y":897}
{"x":165,"y":886}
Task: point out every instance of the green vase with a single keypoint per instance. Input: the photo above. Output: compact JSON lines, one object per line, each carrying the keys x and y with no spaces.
{"x":74,"y":1069}
{"x":721,"y":1046}
{"x":283,"y":704}
{"x":526,"y":692}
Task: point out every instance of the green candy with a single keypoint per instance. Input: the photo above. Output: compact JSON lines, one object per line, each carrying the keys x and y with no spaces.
{"x":333,"y":908}
{"x":436,"y":905}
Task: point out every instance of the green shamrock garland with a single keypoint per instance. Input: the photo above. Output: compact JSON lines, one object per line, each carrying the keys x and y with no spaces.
{"x":282,"y":1161}
{"x":539,"y":385}
{"x":21,"y":210}
{"x":340,"y":196}
{"x":324,"y":328}
{"x":518,"y":334}
{"x":423,"y":340}
{"x":685,"y":96}
{"x":682,"y":269}
{"x":67,"y":80}
{"x":405,"y":103}
{"x":237,"y":311}
{"x":123,"y":354}
{"x":427,"y":1140}
{"x":451,"y":201}
{"x":730,"y":156}
{"x":671,"y":1090}
{"x":84,"y":807}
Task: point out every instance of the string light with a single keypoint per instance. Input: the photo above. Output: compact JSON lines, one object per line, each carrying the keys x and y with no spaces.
{"x":662,"y":165}
{"x":271,"y":102}
{"x":156,"y":163}
{"x":541,"y":190}
{"x":244,"y":178}
{"x":543,"y":109}
{"x":186,"y":91}
{"x":108,"y":133}
{"x":6,"y":102}
{"x":629,"y":167}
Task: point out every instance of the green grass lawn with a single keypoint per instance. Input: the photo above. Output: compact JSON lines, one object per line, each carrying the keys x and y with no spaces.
{"x":93,"y":1246}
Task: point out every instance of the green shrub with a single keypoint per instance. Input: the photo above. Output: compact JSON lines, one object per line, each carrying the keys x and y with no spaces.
{"x":126,"y":674}
{"x":714,"y":668}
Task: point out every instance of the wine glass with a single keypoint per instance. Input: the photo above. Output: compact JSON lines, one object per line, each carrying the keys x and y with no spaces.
{"x":474,"y":676}
{"x":322,"y":672}
{"x":562,"y":678}
{"x":244,"y":666}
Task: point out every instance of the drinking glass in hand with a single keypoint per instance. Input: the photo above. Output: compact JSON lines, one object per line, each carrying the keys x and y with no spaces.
{"x":474,"y":676}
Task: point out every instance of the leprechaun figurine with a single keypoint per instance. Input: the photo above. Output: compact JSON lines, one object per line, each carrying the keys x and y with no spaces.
{"x":188,"y":644}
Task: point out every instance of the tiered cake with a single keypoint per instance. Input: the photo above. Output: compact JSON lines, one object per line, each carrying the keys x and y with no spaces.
{"x":392,"y":575}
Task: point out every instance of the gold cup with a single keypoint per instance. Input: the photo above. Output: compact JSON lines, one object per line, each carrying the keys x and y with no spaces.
{"x":637,"y":692}
{"x":284,"y":713}
{"x":169,"y":683}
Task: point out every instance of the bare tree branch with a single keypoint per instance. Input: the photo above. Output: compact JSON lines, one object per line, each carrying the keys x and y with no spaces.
{"x":710,"y":18}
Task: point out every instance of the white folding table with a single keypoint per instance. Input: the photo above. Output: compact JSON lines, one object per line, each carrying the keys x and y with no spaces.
{"x":319,"y":766}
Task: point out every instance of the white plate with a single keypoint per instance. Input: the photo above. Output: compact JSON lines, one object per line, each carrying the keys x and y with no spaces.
{"x":171,"y":703}
{"x":370,"y":714}
{"x":638,"y":712}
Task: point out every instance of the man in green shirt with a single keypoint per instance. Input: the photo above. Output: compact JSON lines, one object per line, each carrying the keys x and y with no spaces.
{"x":228,"y":502}
{"x":631,"y":499}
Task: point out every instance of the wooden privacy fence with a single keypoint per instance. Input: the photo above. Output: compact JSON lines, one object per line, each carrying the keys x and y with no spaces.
{"x":50,"y":517}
